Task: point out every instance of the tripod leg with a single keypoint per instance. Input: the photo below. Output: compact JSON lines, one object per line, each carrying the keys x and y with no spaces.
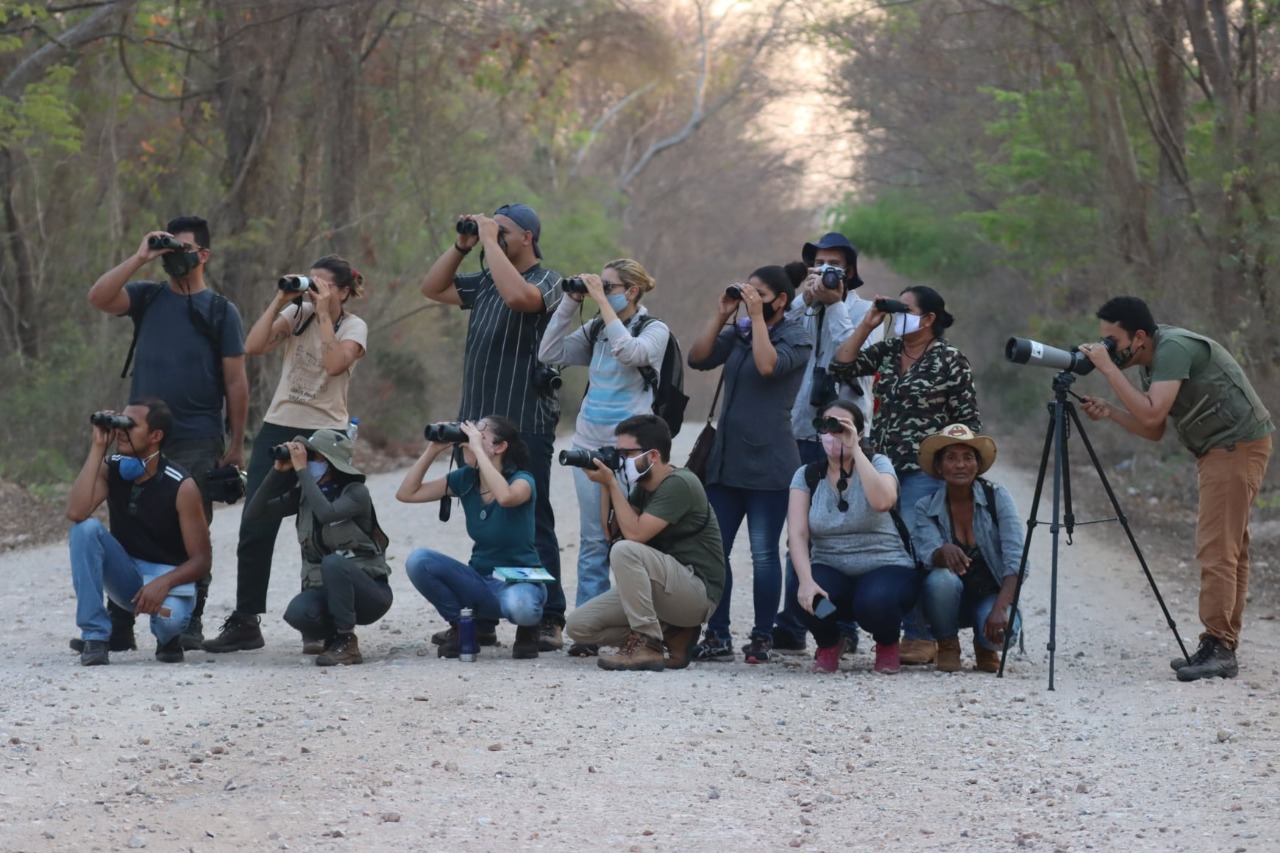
{"x":1124,"y":522}
{"x":1026,"y":545}
{"x":1068,"y":514}
{"x":1059,"y":456}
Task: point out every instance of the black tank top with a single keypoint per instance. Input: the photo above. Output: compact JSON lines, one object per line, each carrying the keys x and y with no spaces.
{"x":144,"y":516}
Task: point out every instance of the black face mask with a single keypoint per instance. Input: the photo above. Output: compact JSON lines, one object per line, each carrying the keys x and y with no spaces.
{"x":179,"y":264}
{"x":769,"y":310}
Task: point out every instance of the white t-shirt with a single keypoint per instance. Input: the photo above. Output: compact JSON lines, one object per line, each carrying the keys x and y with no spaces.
{"x":307,"y":397}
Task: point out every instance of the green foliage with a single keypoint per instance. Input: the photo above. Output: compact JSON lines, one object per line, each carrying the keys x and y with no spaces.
{"x":913,"y":237}
{"x":43,"y":117}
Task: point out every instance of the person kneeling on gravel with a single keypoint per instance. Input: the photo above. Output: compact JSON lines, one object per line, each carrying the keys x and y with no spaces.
{"x":158,"y":544}
{"x":344,"y":560}
{"x":666,"y":556}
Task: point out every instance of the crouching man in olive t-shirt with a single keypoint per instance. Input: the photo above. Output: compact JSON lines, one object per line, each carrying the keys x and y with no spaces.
{"x":666,"y":556}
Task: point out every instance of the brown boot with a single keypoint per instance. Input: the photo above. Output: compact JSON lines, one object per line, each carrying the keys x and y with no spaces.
{"x":988,"y":660}
{"x":638,"y":653}
{"x":526,"y":645}
{"x":343,"y":650}
{"x":948,"y":656}
{"x":917,"y":652}
{"x":679,"y":643}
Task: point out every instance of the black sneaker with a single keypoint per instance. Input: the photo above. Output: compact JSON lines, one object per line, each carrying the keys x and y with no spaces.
{"x":193,"y":635}
{"x":788,"y":643}
{"x":757,"y":651}
{"x":94,"y":653}
{"x":122,"y":638}
{"x":170,"y":652}
{"x":1217,"y":662}
{"x":239,"y":632}
{"x":713,"y":648}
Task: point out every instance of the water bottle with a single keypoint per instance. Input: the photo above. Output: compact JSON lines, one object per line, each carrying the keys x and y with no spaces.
{"x":353,"y":429}
{"x":467,"y":645}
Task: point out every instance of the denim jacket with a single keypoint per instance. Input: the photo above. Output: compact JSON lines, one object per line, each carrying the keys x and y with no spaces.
{"x":1002,"y":549}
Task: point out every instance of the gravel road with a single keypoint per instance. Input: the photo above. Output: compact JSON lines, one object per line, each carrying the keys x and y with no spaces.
{"x":264,"y":751}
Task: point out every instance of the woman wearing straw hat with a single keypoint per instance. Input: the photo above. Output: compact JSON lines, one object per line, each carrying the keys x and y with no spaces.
{"x":344,"y":565}
{"x":970,"y":534}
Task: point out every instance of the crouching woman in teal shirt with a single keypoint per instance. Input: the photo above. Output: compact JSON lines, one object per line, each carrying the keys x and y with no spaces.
{"x":497,"y":496}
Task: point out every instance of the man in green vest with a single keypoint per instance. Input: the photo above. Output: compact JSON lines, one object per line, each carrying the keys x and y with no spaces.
{"x":1192,"y":380}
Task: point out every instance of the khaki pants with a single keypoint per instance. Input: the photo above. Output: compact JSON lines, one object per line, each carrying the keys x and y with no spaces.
{"x":649,"y":589}
{"x":1229,"y":481}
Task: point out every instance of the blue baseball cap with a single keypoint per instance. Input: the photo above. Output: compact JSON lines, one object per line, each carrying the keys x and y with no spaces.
{"x":835,"y":240}
{"x":527,"y":218}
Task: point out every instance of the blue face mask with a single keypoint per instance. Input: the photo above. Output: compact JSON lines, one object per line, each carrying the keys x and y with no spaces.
{"x":617,"y":301}
{"x":131,"y":467}
{"x":318,"y":468}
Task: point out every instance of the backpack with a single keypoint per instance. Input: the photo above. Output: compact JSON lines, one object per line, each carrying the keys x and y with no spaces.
{"x":211,"y":327}
{"x":669,"y":399}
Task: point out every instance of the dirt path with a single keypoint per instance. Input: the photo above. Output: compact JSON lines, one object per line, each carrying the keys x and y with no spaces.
{"x":264,"y":751}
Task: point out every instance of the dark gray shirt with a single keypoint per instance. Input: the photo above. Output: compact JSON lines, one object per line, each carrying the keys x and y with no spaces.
{"x":502,"y":350}
{"x":176,"y":361}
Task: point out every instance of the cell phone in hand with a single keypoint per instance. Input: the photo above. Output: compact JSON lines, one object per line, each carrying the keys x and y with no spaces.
{"x":822,"y":607}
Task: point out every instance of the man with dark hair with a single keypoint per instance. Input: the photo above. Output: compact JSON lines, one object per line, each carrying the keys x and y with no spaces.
{"x":666,"y":556}
{"x":189,"y":348}
{"x":158,"y":544}
{"x":1192,"y":380}
{"x":511,"y":303}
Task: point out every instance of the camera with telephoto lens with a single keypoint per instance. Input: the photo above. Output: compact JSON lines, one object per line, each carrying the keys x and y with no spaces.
{"x":280,"y":453}
{"x":102,"y":419}
{"x":546,"y":380}
{"x":892,"y":306}
{"x":822,"y":390}
{"x":226,"y":484}
{"x":163,"y":241}
{"x":1027,"y":351}
{"x":832,"y":276}
{"x":574,"y":285}
{"x":468,"y":228}
{"x":295,"y":284}
{"x":587,"y":458}
{"x":445,"y":433}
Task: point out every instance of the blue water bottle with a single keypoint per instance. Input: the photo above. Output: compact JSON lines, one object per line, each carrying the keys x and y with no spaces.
{"x":467,"y":645}
{"x":353,"y":429}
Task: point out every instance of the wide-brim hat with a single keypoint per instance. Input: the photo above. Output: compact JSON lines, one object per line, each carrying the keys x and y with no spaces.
{"x":835,"y":240}
{"x":334,"y":446}
{"x":984,"y":446}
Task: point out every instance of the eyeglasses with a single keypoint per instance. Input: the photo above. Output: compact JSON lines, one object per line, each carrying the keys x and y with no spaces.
{"x":628,"y":452}
{"x":611,"y":286}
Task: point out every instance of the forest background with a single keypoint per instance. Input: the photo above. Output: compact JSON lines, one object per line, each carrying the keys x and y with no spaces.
{"x":1027,"y":158}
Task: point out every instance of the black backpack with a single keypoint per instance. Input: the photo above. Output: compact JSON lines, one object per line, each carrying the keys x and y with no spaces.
{"x":669,"y":399}
{"x":210,"y":327}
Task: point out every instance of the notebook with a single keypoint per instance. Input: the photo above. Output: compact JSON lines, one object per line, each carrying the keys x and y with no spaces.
{"x":523,"y":574}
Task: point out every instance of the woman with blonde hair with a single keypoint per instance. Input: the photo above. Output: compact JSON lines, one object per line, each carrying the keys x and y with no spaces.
{"x":622,"y":349}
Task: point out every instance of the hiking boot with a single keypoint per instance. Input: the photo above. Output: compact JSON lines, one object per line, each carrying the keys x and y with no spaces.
{"x":122,"y":638}
{"x":827,"y":658}
{"x":985,"y":659}
{"x":948,"y":657}
{"x":343,"y":650}
{"x":314,"y":645}
{"x":680,"y":643}
{"x":712,"y":648}
{"x":239,"y":632}
{"x":529,"y":641}
{"x":786,"y":642}
{"x":94,"y":653}
{"x":918,"y":652}
{"x":583,"y":650}
{"x":450,"y":647}
{"x":1217,"y":661}
{"x":549,"y":637}
{"x":484,"y":637}
{"x":193,"y":635}
{"x":638,"y":654}
{"x":1198,"y":656}
{"x":757,"y":651}
{"x":170,"y":652}
{"x":888,"y":658}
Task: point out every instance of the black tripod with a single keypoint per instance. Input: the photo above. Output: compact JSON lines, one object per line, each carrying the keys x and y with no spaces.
{"x":1061,"y":415}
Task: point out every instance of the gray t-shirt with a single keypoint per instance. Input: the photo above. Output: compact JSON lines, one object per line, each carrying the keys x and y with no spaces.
{"x":859,"y":540}
{"x":175,"y":360}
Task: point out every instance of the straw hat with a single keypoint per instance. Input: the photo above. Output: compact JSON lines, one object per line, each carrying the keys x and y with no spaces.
{"x":982,"y":445}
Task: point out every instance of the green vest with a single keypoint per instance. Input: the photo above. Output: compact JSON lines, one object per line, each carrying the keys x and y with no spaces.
{"x":367,"y":550}
{"x":1216,"y":405}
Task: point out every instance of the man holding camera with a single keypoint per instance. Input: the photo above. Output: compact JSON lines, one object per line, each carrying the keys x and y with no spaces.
{"x":1194,"y":381}
{"x":510,"y":303}
{"x":158,"y":544}
{"x":188,"y":351}
{"x":666,"y":556}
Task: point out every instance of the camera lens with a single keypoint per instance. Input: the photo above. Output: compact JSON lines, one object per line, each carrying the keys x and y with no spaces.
{"x":832,"y":277}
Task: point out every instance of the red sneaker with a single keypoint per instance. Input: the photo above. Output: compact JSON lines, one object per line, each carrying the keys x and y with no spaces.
{"x":827,"y":658}
{"x":887,"y":659}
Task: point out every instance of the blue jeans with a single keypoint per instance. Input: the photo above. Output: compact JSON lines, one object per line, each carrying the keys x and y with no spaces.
{"x":948,"y":609}
{"x":877,"y":600}
{"x":765,"y":511}
{"x":451,"y":586}
{"x":541,"y":446}
{"x":593,"y":549}
{"x":100,"y":564}
{"x":912,"y":486}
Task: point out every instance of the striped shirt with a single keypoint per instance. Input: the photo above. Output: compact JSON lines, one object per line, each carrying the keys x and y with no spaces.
{"x":502,"y":352}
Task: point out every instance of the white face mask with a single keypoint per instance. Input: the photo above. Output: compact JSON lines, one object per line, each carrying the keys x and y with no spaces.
{"x":318,"y":468}
{"x":905,"y":324}
{"x":631,"y":474}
